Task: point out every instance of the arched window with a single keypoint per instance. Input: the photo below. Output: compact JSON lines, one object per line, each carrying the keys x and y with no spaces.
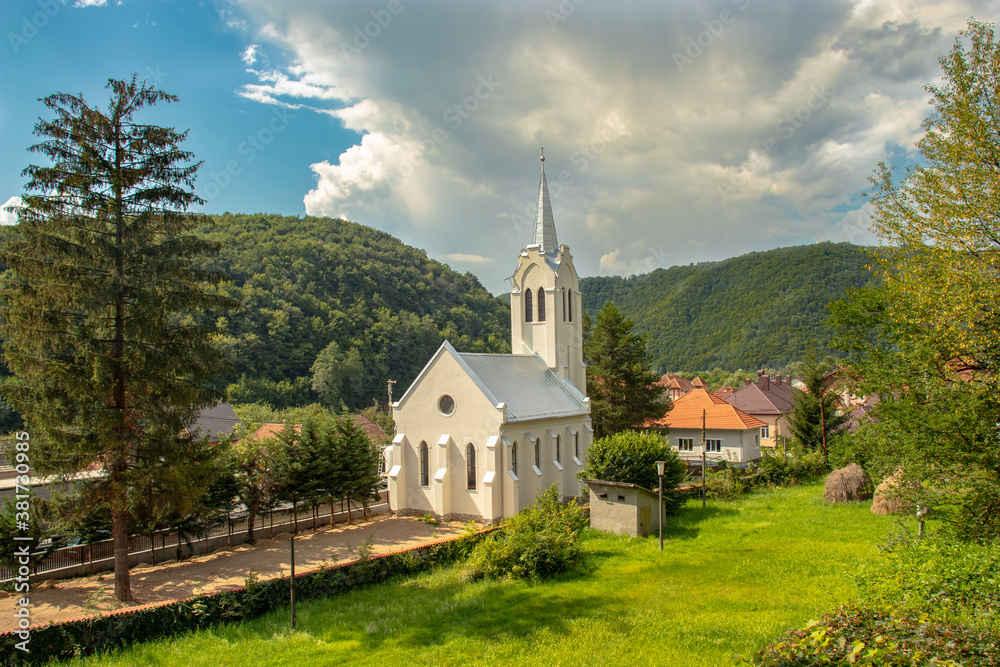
{"x":513,"y":458}
{"x":470,"y":466}
{"x":538,"y":457}
{"x":528,"y":308}
{"x":570,"y":305}
{"x":564,"y":305}
{"x":425,"y":464}
{"x":541,"y":305}
{"x":558,"y":450}
{"x":576,"y":445}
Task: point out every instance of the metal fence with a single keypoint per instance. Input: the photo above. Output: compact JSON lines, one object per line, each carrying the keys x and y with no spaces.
{"x":235,"y":526}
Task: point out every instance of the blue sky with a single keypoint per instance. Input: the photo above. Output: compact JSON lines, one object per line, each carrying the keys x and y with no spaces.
{"x":674,"y":132}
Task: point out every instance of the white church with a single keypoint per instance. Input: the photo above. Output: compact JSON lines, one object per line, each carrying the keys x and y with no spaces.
{"x":478,"y":435}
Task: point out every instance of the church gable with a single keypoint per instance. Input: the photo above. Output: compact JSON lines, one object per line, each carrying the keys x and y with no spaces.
{"x":445,"y":375}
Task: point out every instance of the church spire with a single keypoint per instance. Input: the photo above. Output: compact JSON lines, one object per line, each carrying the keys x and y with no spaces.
{"x":545,"y":226}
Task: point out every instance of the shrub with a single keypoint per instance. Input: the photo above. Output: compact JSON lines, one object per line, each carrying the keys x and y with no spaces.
{"x":630,"y":457}
{"x":540,"y":541}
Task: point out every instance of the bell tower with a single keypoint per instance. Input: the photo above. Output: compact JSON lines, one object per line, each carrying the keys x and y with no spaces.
{"x":545,"y":309}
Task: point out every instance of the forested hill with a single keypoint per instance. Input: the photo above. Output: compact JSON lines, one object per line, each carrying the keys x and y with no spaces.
{"x":378,"y":307}
{"x":758,"y":310}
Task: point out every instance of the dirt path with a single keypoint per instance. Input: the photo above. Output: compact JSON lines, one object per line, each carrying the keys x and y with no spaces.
{"x":224,"y":569}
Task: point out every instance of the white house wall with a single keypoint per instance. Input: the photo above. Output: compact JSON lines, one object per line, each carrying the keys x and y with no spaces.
{"x":741,"y":446}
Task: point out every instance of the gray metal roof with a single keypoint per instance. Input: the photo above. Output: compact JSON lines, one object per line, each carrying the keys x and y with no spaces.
{"x":530,"y":390}
{"x":545,"y":226}
{"x":218,"y":420}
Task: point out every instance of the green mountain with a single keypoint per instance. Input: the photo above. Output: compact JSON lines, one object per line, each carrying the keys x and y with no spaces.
{"x":379,"y":307}
{"x":760,"y":310}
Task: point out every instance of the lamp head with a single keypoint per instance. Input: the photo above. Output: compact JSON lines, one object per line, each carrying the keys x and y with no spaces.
{"x":660,"y":465}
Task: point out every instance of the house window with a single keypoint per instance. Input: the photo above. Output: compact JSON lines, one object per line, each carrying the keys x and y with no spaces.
{"x":528,"y":307}
{"x":685,"y":444}
{"x":765,"y":432}
{"x":713,"y":446}
{"x":470,"y":453}
{"x":541,"y":305}
{"x":558,"y":450}
{"x":538,"y":456}
{"x":425,"y":464}
{"x":513,"y":458}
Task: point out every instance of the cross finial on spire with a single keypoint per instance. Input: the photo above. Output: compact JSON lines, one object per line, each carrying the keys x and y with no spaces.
{"x":545,"y":228}
{"x":543,"y":160}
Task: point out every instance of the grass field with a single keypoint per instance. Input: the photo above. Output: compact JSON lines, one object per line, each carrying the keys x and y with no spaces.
{"x":731,"y":577}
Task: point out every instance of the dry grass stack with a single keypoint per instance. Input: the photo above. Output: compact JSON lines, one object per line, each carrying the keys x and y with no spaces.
{"x":846,"y":484}
{"x":888,"y":498}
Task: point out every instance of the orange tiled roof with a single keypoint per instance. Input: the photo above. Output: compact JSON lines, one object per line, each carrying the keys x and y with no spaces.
{"x":272,"y":430}
{"x":688,"y":409}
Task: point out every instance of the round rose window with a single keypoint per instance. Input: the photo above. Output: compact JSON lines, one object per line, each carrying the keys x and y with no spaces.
{"x":446,"y":404}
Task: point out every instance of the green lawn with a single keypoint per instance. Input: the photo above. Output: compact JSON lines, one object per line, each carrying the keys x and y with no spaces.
{"x":731,"y":576}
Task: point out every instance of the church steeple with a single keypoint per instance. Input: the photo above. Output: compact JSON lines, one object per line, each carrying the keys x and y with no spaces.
{"x":545,"y":226}
{"x":545,"y":306}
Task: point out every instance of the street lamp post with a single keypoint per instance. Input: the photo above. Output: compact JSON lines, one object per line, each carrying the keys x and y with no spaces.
{"x":660,"y":465}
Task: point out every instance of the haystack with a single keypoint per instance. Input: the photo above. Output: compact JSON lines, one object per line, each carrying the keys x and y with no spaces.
{"x":847,"y":484}
{"x":888,"y":499}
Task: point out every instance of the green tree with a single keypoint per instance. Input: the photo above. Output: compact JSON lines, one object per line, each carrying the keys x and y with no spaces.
{"x":815,"y":419}
{"x":622,"y":388}
{"x":630,"y":457}
{"x":108,"y":371}
{"x":926,"y":339}
{"x":256,"y":460}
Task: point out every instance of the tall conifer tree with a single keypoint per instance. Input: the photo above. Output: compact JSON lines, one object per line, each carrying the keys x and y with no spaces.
{"x":101,"y":302}
{"x":622,"y":387}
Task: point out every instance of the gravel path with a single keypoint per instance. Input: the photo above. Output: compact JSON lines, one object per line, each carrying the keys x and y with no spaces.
{"x":224,"y":569}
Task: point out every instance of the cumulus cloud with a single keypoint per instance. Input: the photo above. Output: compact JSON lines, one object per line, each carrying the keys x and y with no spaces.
{"x":693,"y":131}
{"x":8,"y":217}
{"x":249,"y":54}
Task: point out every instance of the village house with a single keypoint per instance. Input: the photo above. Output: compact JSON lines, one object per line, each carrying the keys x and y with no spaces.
{"x":478,"y":435}
{"x":770,"y":400}
{"x":698,"y":417}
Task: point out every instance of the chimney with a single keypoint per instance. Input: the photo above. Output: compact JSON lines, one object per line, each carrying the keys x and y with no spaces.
{"x":788,"y":380}
{"x":765,"y":382}
{"x":777,"y":380}
{"x":760,"y":372}
{"x":748,"y":382}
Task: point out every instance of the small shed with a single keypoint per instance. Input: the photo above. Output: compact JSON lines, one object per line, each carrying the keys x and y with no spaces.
{"x":623,"y":508}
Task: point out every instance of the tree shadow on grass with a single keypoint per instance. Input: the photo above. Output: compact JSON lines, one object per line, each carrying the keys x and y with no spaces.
{"x":687,"y":523}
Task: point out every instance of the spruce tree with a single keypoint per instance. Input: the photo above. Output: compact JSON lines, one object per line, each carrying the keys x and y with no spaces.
{"x":815,"y":418}
{"x":621,"y":385}
{"x":101,"y":306}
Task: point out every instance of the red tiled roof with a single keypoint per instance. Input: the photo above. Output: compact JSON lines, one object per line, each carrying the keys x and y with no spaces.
{"x":271,"y":430}
{"x":687,"y":412}
{"x":371,"y":429}
{"x":675,"y":382}
{"x":725,"y":391}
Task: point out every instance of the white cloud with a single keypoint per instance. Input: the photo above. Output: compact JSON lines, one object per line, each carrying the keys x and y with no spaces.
{"x":249,"y":55}
{"x":763,"y":139}
{"x":468,"y":258}
{"x":9,"y":217}
{"x":90,"y":3}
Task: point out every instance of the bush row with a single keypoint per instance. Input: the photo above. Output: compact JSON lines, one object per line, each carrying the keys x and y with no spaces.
{"x":771,"y":469}
{"x":104,"y":633}
{"x":929,"y":601}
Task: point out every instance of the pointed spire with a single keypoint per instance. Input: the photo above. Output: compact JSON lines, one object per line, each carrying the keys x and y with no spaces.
{"x":545,"y":226}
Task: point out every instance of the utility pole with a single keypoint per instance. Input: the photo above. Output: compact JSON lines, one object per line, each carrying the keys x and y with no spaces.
{"x":822,"y":425}
{"x":704,"y":459}
{"x":389,"y":384}
{"x":291,"y":546}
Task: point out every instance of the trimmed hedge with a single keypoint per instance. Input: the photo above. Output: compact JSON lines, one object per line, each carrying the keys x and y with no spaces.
{"x":129,"y":626}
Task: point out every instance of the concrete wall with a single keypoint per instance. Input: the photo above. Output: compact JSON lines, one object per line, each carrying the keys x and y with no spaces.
{"x":618,"y":509}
